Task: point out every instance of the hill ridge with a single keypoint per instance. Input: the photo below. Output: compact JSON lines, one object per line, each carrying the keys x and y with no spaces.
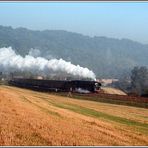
{"x":107,"y":57}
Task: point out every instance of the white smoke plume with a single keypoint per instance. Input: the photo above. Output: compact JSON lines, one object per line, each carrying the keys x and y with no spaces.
{"x":10,"y":62}
{"x":80,"y":90}
{"x":34,"y":52}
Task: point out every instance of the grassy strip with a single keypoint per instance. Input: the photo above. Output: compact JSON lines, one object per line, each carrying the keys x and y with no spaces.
{"x":96,"y":114}
{"x":41,"y":108}
{"x":143,"y":127}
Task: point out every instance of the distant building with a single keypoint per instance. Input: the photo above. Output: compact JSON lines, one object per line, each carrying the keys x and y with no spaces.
{"x":39,"y":77}
{"x":106,"y":82}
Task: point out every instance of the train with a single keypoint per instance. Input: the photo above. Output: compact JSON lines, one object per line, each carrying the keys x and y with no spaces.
{"x":81,"y":86}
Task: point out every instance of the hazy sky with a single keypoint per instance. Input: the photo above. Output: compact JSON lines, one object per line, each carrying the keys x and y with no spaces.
{"x":111,"y":19}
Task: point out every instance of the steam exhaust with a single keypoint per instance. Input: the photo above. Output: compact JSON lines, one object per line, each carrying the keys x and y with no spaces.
{"x":12,"y":62}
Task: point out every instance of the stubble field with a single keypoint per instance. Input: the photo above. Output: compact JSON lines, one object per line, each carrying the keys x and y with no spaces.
{"x":34,"y":118}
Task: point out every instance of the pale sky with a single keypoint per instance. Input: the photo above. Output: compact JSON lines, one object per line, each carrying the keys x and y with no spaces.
{"x":111,"y":19}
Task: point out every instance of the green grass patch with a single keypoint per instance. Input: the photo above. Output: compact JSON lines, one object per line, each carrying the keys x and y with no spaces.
{"x":94,"y":113}
{"x":97,"y":114}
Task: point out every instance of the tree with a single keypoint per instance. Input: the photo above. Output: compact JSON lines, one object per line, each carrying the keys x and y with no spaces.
{"x":139,"y":80}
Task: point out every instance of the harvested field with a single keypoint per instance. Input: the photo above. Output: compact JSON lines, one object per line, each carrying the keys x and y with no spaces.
{"x":110,"y":90}
{"x":34,"y":118}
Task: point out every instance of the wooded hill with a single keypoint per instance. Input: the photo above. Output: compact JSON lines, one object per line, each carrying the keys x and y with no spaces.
{"x":107,"y":57}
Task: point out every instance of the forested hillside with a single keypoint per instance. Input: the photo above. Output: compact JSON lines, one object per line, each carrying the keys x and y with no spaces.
{"x":107,"y":57}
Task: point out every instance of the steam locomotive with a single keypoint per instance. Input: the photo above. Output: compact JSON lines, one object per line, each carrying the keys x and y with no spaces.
{"x":56,"y":85}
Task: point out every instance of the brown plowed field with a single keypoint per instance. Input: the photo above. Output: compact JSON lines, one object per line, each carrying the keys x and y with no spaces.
{"x":34,"y":118}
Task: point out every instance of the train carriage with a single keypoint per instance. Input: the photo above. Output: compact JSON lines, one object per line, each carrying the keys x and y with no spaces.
{"x":56,"y":85}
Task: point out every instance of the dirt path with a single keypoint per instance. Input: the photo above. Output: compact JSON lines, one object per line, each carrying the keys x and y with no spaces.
{"x":33,"y":118}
